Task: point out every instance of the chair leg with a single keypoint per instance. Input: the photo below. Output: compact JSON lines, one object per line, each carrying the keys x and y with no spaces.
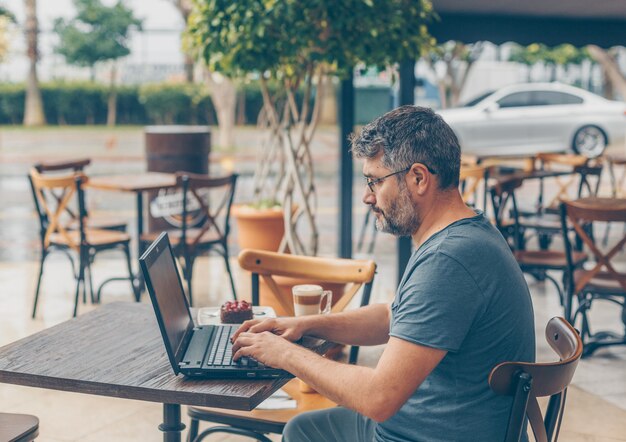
{"x":131,"y":276}
{"x":43,"y":258}
{"x":80,"y":280}
{"x":89,"y":276}
{"x":194,"y":425}
{"x":188,"y":271}
{"x":230,"y":273}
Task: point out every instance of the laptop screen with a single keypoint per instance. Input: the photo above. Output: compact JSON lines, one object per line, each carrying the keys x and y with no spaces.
{"x":168,"y":298}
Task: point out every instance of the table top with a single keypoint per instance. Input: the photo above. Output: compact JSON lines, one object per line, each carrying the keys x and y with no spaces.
{"x":133,"y":182}
{"x":117,"y":350}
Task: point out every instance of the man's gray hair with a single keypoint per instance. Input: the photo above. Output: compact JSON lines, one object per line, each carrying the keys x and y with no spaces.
{"x":408,"y":135}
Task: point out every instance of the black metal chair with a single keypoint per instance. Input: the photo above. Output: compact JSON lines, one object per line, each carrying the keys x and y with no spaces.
{"x":18,"y":427}
{"x":602,"y":281}
{"x":204,"y":221}
{"x":527,"y":381}
{"x":534,"y":262}
{"x":355,"y":274}
{"x":53,"y":196}
{"x":544,"y":220}
{"x":65,"y":167}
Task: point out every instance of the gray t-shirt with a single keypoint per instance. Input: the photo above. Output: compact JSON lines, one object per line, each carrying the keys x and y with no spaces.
{"x":462,"y":292}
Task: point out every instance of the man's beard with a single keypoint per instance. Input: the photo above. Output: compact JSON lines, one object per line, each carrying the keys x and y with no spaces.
{"x":400,"y":218}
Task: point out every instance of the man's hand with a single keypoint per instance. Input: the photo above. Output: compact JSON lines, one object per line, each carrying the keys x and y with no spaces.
{"x":289,"y":328}
{"x":265,"y":347}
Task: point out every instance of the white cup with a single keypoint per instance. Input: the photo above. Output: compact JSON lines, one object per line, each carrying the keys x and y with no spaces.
{"x":308,"y":299}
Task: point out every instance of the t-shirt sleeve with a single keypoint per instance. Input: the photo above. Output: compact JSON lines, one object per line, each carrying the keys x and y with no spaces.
{"x":437,"y":304}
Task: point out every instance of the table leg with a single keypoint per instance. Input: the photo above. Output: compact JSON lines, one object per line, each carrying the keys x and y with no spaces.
{"x":139,"y":284}
{"x":171,"y":426}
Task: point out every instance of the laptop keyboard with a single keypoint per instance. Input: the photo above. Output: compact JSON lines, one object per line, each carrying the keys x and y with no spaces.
{"x":222,"y":348}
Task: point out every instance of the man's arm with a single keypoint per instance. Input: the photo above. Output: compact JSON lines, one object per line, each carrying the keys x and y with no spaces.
{"x":374,"y":392}
{"x":364,"y":326}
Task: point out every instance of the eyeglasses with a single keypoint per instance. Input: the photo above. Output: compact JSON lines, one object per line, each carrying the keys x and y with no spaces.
{"x":372,"y":182}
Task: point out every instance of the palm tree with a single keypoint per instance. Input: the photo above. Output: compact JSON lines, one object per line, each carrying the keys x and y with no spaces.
{"x":33,"y":110}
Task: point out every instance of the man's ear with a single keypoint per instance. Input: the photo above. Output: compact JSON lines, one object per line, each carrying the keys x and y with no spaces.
{"x":420,"y":179}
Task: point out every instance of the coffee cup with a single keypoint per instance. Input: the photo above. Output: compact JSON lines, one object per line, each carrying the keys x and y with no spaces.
{"x":311,"y":299}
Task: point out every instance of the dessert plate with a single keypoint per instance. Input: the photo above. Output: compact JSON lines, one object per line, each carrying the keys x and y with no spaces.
{"x":211,"y":315}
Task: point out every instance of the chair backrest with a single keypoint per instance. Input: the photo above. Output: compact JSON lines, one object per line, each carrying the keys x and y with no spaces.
{"x":504,"y":203}
{"x":209,"y":197}
{"x":584,"y":168}
{"x":352,"y":272}
{"x":53,"y":196}
{"x":470,"y":180}
{"x":528,"y":381}
{"x":581,"y":214}
{"x":66,"y":166}
{"x":59,"y":168}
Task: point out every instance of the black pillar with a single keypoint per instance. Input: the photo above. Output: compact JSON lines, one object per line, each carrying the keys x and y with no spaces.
{"x":407,"y":88}
{"x":346,"y":173}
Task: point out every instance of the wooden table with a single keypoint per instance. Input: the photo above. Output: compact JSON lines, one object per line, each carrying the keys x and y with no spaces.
{"x":137,"y":183}
{"x":117,"y":351}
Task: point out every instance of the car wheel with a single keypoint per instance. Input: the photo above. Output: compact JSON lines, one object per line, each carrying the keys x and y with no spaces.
{"x":589,"y":141}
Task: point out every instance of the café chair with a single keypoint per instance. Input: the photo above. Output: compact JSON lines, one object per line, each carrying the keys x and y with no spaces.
{"x":526,"y":381}
{"x":534,"y":262}
{"x":356,"y":274}
{"x":585,"y":173}
{"x":18,"y":427}
{"x":602,"y":281}
{"x":53,"y":196}
{"x":204,"y":222}
{"x":72,"y":166}
{"x":614,"y":161}
{"x":471,"y":178}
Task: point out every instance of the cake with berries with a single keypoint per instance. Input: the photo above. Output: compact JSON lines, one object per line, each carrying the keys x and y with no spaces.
{"x":235,"y":312}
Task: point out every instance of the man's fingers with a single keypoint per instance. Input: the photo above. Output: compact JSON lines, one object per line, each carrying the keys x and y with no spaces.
{"x":244,"y":351}
{"x":244,"y":340}
{"x":267,"y":325}
{"x":244,"y":328}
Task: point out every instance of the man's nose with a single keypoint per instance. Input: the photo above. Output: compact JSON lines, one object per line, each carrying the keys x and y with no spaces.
{"x":369,"y":197}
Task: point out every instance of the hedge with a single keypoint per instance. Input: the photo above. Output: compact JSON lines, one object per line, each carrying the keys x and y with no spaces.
{"x":86,"y":103}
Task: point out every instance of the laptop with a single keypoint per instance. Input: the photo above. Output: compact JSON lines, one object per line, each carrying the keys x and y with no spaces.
{"x":197,"y":351}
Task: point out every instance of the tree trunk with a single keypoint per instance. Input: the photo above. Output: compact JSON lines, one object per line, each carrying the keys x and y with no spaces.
{"x":33,"y":108}
{"x":616,"y":80}
{"x":112,"y":101}
{"x":224,"y":98}
{"x":189,"y":65}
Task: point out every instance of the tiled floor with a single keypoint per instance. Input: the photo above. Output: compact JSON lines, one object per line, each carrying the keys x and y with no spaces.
{"x":596,"y":408}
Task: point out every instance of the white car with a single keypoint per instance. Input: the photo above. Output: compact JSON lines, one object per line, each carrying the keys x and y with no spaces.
{"x":525,"y":119}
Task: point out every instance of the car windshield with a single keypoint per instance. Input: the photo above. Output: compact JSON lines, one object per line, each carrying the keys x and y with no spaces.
{"x":474,"y":101}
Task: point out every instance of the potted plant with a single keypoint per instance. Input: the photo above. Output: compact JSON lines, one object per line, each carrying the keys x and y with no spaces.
{"x":291,"y":47}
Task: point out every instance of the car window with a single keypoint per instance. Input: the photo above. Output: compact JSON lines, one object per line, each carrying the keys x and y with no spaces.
{"x":552,"y":98}
{"x":516,"y":99}
{"x":474,"y":101}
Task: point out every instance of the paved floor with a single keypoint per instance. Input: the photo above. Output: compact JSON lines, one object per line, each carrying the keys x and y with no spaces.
{"x":596,"y":409}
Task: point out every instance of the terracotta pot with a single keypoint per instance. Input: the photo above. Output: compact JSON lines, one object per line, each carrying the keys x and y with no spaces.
{"x":261,"y":229}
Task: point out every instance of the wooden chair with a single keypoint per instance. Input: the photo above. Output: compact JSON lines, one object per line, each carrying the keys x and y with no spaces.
{"x":544,"y":219}
{"x":528,"y":381}
{"x":354,"y":273}
{"x":18,"y":427}
{"x":204,"y":221}
{"x":471,"y":178}
{"x":534,"y":262}
{"x":603,"y":281}
{"x":72,"y":166}
{"x":53,"y":196}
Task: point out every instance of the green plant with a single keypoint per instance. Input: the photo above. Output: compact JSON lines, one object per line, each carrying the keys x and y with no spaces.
{"x":296,"y":44}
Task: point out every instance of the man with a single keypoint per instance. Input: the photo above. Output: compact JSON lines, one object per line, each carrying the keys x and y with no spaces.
{"x":462,"y":306}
